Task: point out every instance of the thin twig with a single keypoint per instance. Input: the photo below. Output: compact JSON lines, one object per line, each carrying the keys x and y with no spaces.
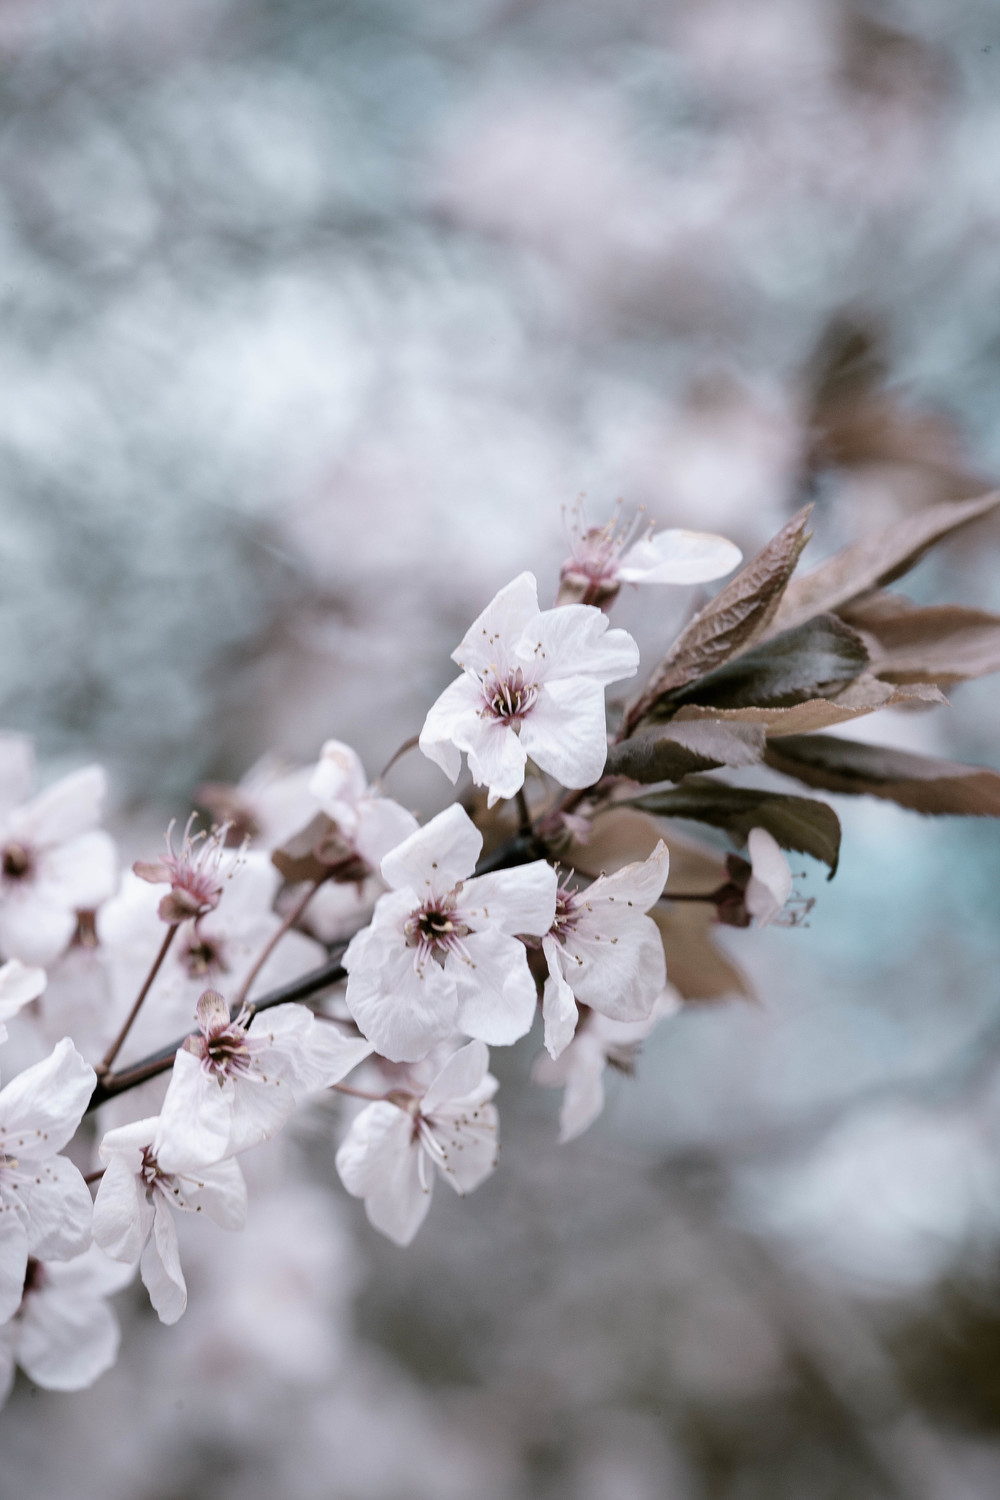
{"x":95,"y":1176}
{"x":273,"y":941}
{"x":404,"y":749}
{"x":345,"y":1088}
{"x":104,"y":1066}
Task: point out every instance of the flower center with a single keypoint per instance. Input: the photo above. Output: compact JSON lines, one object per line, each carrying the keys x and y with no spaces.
{"x":16,"y":862}
{"x":204,"y":955}
{"x":509,"y":698}
{"x":226,"y":1052}
{"x":567,"y":915}
{"x":149,"y":1169}
{"x":436,"y":932}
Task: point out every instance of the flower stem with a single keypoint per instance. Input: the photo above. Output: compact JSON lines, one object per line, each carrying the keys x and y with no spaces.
{"x":273,"y":941}
{"x":345,"y":1088}
{"x":104,"y":1066}
{"x":404,"y":749}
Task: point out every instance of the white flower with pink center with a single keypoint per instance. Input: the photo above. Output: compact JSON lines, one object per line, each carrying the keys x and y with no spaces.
{"x":147,"y":1178}
{"x":395,"y":1147}
{"x":532,"y":685}
{"x":64,"y":1335}
{"x":604,"y":951}
{"x":54,"y":861}
{"x":369,"y":823}
{"x":45,"y":1204}
{"x":604,"y":557}
{"x":236,"y":1081}
{"x":600,"y":1043}
{"x":441,"y":955}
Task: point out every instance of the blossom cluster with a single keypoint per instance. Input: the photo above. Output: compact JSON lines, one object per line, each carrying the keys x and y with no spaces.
{"x":162,"y":1022}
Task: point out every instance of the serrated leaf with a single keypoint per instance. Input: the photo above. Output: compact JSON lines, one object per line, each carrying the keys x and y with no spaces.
{"x":875,"y":560}
{"x":939,"y":643}
{"x":919,"y":782}
{"x":737,"y":616}
{"x":677,"y":750}
{"x":815,"y":660}
{"x":863,"y":696}
{"x":799,"y":823}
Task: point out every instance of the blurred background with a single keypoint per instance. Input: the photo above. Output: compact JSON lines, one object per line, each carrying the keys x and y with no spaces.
{"x":316,"y":314}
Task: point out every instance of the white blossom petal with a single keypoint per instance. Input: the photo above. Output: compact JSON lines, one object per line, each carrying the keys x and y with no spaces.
{"x":83,"y":872}
{"x":33,"y":928}
{"x":583,"y":1097}
{"x":379,"y":1161}
{"x":513,"y":609}
{"x":462,"y":1075}
{"x":467,"y":1139}
{"x":13,"y":1260}
{"x":402,"y":1012}
{"x":338,"y":782}
{"x":449,"y":714}
{"x":496,"y":756}
{"x":437,"y":856}
{"x":575,"y":641}
{"x":382,"y":825}
{"x":66,"y":1341}
{"x":220,"y":1191}
{"x":160,"y":1267}
{"x":196,"y":1118}
{"x":680,"y":557}
{"x":497,"y":998}
{"x":59,"y":1209}
{"x":522,"y":900}
{"x":70,"y":807}
{"x":559,"y":1008}
{"x":566,"y":731}
{"x":123,"y":1217}
{"x":770,"y":883}
{"x":42,"y":1107}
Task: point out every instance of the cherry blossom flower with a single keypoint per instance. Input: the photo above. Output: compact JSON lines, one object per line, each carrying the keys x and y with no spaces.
{"x":604,"y":557}
{"x":603,"y":950}
{"x":770,"y":883}
{"x":18,"y":987}
{"x":64,"y":1335}
{"x":196,"y":873}
{"x":148,"y":1176}
{"x":440,"y":955}
{"x":760,"y":890}
{"x":369,"y":823}
{"x":532,"y":684}
{"x":598,"y":1044}
{"x":215,"y":951}
{"x":235,"y":1082}
{"x":54,"y":861}
{"x":44,"y":1202}
{"x":390,"y":1154}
